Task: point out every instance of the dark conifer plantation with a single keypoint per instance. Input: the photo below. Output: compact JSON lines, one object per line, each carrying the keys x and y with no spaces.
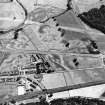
{"x":95,"y":18}
{"x":71,"y":101}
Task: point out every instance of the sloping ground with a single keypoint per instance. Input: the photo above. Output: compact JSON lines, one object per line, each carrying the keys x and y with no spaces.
{"x":73,"y":35}
{"x":3,"y":56}
{"x":8,"y":90}
{"x":68,"y":19}
{"x":85,"y":5}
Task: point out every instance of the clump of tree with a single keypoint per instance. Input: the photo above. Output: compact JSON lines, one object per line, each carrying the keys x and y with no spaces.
{"x":91,"y":45}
